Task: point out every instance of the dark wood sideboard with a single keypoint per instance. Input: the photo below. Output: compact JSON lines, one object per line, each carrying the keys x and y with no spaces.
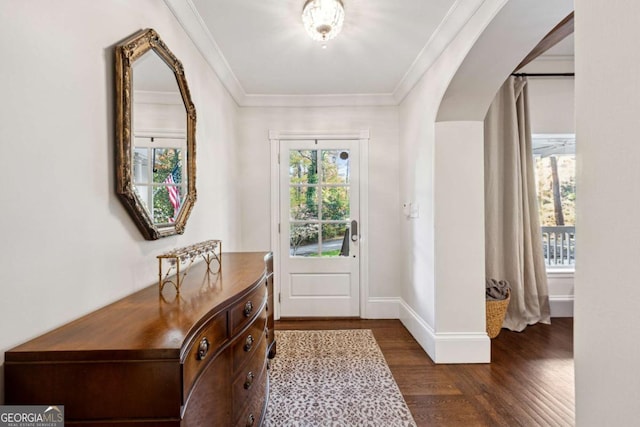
{"x":197,"y":359}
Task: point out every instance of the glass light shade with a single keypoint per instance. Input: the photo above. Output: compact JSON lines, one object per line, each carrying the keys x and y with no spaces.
{"x":323,"y":18}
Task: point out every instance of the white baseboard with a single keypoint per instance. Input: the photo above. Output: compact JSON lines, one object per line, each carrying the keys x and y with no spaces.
{"x":561,"y":305}
{"x":421,"y":330}
{"x":382,"y":308}
{"x":446,"y":347}
{"x":474,"y":347}
{"x":561,"y":286}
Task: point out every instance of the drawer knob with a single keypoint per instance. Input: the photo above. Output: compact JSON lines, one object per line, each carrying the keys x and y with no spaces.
{"x":203,"y":348}
{"x":249,"y":381}
{"x":248,"y":308}
{"x":248,"y":343}
{"x":251,"y":420}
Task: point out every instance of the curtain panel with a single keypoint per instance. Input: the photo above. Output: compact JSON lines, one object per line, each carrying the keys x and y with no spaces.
{"x":513,"y":240}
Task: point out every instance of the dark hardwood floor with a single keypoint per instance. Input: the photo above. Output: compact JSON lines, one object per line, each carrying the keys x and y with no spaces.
{"x":530,"y":381}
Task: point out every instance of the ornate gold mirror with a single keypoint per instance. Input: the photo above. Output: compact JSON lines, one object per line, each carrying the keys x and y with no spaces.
{"x":155,"y":136}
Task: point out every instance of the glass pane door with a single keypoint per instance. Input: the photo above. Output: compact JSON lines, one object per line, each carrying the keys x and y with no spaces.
{"x":319,"y":212}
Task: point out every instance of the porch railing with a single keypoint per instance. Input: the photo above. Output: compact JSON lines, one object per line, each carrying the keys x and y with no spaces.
{"x":559,"y":246}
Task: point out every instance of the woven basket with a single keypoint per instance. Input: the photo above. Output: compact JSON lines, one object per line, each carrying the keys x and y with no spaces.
{"x":496,"y":310}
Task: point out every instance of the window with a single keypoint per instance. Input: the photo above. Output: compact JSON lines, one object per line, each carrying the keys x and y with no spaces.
{"x":555,"y":169}
{"x":320,"y":202}
{"x":158,"y":176}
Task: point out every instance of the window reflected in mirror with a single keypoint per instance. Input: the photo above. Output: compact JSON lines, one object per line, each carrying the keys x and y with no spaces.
{"x":158,"y":176}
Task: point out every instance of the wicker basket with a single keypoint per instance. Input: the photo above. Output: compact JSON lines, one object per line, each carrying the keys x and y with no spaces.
{"x":496,"y":310}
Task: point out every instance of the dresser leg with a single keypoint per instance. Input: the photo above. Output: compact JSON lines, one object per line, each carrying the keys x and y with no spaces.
{"x":272,"y":350}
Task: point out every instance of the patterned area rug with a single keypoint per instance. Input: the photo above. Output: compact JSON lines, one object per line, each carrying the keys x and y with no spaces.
{"x":333,"y":378}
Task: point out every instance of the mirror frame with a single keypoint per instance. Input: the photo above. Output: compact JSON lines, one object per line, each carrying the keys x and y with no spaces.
{"x":126,"y":53}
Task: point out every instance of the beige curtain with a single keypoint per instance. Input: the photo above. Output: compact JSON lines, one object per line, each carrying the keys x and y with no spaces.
{"x":513,"y":241}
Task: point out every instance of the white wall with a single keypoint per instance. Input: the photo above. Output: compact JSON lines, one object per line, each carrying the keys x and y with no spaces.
{"x":384,"y":202}
{"x":459,"y":211}
{"x":440,"y":133}
{"x":417,"y":115}
{"x":551,"y":105}
{"x":551,"y":99}
{"x":68,"y":246}
{"x":607,"y":329}
{"x":432,"y":245}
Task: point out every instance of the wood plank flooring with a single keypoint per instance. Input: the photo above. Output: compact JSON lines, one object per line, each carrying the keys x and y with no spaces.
{"x":530,"y":381}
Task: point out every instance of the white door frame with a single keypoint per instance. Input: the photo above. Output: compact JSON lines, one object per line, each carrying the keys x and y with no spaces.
{"x":362,"y":136}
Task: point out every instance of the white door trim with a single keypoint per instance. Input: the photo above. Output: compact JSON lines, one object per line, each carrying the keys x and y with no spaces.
{"x":362,"y":136}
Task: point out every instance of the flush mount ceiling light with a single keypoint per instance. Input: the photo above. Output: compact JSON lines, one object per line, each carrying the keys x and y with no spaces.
{"x":323,"y":18}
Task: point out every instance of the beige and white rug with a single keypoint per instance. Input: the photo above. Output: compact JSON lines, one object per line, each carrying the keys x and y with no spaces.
{"x":333,"y":378}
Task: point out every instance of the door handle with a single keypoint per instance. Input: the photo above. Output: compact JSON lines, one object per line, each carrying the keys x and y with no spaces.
{"x":354,"y":231}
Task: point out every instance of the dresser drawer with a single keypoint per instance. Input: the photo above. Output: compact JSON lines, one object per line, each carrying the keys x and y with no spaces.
{"x":209,"y":403}
{"x":252,"y":400}
{"x":249,"y":379}
{"x":208,"y":341}
{"x":252,"y":413}
{"x":247,"y":344}
{"x":245,"y":310}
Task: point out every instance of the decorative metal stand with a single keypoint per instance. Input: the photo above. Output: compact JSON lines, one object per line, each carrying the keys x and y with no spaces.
{"x":180,"y":260}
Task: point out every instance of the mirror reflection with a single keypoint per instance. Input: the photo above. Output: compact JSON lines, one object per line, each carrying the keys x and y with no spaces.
{"x":159,"y":131}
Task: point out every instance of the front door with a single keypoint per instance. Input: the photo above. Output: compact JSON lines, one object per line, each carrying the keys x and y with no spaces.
{"x":319,"y":240}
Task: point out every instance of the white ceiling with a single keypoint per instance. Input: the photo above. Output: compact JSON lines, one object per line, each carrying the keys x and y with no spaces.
{"x":262,"y":54}
{"x":269,"y":51}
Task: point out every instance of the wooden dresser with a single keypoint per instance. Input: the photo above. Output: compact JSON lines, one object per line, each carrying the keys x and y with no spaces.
{"x":199,"y":359}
